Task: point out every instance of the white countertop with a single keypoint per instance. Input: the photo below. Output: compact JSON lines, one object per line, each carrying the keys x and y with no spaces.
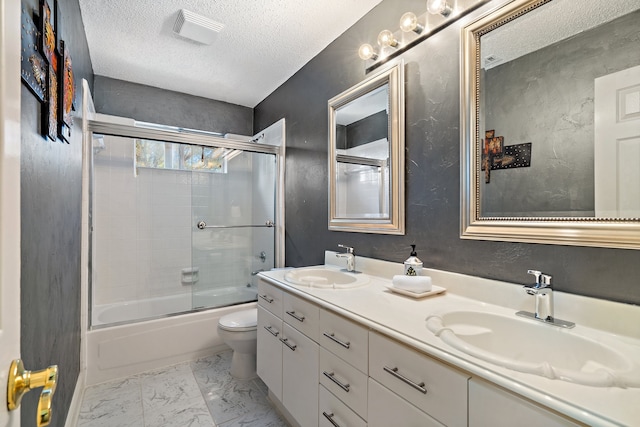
{"x":403,"y":318}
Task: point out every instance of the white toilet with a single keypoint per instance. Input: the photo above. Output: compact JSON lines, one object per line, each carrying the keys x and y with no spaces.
{"x":239,"y":331}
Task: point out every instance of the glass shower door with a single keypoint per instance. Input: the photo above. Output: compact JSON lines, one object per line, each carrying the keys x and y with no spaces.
{"x":233,"y":236}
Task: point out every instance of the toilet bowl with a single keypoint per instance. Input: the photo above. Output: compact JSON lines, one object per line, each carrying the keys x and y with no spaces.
{"x":239,"y":331}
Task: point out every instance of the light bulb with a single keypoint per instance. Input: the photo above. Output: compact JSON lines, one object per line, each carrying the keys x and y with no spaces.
{"x":366,"y":52}
{"x":385,"y":38}
{"x":441,"y":7}
{"x":409,"y":22}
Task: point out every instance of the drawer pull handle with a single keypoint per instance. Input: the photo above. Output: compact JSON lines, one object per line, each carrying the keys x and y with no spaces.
{"x":332,"y":337}
{"x":330,"y":418}
{"x":271,"y":331}
{"x":332,"y":377}
{"x":285,"y":341}
{"x":266,"y":298}
{"x":394,"y":372}
{"x":295,"y":316}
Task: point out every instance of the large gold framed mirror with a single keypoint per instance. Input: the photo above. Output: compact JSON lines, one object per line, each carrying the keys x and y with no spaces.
{"x":550,"y":122}
{"x":366,"y":155}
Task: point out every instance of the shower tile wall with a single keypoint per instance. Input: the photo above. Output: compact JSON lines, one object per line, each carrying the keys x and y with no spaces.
{"x":142,"y":227}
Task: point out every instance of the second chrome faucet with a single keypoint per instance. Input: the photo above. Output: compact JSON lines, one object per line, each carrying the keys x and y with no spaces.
{"x":350,"y":256}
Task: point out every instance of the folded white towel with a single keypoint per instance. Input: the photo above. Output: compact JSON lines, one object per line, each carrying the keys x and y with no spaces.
{"x":412,"y":283}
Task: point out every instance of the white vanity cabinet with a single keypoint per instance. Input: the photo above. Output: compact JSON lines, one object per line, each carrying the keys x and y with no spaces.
{"x":490,"y":405}
{"x":331,"y":370}
{"x":433,"y":387}
{"x":288,"y":359}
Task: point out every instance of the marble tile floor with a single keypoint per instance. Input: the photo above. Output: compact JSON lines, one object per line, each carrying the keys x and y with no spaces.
{"x":200,"y":393}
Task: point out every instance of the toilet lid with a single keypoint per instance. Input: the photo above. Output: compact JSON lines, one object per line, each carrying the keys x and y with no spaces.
{"x":244,"y":320}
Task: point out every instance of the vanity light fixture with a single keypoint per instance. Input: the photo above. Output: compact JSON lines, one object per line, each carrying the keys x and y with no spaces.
{"x":409,"y":22}
{"x":385,"y":38}
{"x":441,"y":7}
{"x":367,"y":51}
{"x":414,"y":29}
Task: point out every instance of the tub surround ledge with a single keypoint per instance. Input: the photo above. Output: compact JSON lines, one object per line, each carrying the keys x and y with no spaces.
{"x":403,"y":319}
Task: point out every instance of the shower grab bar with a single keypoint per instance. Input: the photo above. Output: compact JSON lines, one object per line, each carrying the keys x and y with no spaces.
{"x":202,"y":225}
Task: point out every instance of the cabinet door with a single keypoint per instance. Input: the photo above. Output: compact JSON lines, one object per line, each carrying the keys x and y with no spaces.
{"x":300,"y":358}
{"x":269,"y":357}
{"x":490,"y":405}
{"x":388,"y":409}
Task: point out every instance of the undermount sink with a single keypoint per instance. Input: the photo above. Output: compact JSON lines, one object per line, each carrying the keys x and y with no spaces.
{"x":536,"y":348}
{"x":323,"y":277}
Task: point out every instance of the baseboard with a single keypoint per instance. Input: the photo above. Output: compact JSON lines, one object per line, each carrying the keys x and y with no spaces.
{"x":282,"y":410}
{"x":76,"y":402}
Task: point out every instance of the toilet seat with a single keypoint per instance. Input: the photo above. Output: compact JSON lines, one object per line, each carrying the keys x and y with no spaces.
{"x":240,"y":321}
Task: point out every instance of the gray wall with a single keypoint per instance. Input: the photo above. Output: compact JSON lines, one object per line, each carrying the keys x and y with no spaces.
{"x":547,"y":98}
{"x":51,"y":196}
{"x":154,"y":105}
{"x":432,"y":171}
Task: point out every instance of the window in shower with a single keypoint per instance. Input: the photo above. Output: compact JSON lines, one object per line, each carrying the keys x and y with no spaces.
{"x":167,"y":155}
{"x":150,"y":259}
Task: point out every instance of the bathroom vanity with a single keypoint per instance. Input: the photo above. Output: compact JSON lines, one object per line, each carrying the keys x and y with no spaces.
{"x":363,"y":355}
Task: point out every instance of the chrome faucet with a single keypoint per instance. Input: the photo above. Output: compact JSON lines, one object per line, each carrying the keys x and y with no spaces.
{"x":543,"y":292}
{"x":350,"y":256}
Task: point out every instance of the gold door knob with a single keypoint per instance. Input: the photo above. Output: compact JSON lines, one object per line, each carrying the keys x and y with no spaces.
{"x":21,"y":381}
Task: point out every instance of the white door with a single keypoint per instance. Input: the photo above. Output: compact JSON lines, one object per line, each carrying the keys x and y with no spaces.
{"x":9,"y":199}
{"x":617,"y":144}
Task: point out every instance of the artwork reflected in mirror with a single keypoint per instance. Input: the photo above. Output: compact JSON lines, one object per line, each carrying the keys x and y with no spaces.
{"x":539,"y":75}
{"x":366,"y":143}
{"x":551,"y":129}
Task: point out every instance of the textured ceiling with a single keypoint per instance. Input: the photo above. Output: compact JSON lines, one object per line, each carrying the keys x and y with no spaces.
{"x":548,"y":24}
{"x":264,"y":42}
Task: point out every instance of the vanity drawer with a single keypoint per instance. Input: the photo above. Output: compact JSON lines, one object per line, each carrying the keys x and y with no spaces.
{"x":270,"y":297}
{"x":388,"y":409}
{"x":432,"y":386}
{"x":302,"y":315}
{"x":345,"y":339}
{"x":330,"y":407}
{"x":344,"y":381}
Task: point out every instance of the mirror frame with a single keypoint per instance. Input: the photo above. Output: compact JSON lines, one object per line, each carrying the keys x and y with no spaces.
{"x":575,"y":231}
{"x":395,"y":223}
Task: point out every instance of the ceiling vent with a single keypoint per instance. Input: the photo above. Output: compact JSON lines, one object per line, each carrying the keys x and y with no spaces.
{"x":196,"y":27}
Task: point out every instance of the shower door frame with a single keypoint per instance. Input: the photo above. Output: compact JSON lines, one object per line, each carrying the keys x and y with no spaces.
{"x":191,"y":137}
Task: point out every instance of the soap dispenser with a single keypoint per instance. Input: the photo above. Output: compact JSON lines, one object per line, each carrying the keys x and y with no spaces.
{"x":413,"y":265}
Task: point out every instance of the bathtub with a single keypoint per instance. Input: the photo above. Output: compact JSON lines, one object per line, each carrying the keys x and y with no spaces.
{"x":123,"y":350}
{"x":151,"y":308}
